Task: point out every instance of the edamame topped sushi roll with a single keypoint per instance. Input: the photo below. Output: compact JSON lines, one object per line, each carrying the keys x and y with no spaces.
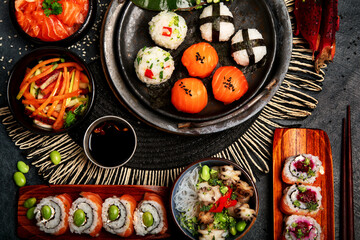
{"x":168,"y":29}
{"x":303,"y":168}
{"x":153,"y":65}
{"x":216,"y":23}
{"x":52,"y":214}
{"x":85,"y":214}
{"x":301,"y":227}
{"x":117,"y":215}
{"x":301,"y":199}
{"x":150,"y":216}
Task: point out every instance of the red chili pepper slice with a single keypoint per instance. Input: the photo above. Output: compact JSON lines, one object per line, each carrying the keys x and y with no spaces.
{"x":223,"y":202}
{"x":149,"y":73}
{"x":167,"y":31}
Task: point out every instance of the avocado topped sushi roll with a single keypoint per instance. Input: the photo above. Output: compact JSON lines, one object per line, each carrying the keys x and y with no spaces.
{"x":248,"y":47}
{"x":153,"y":65}
{"x":216,"y":23}
{"x":168,"y":29}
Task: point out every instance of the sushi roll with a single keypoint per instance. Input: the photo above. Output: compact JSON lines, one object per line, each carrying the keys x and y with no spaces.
{"x":229,"y":84}
{"x":85,"y":214}
{"x":153,"y":65}
{"x":51,"y":214}
{"x":117,"y":215}
{"x":301,"y":199}
{"x":189,"y":95}
{"x":248,"y":47}
{"x":200,"y":59}
{"x":301,"y":227}
{"x":168,"y":29}
{"x":150,"y":216}
{"x":216,"y":23}
{"x":303,"y":168}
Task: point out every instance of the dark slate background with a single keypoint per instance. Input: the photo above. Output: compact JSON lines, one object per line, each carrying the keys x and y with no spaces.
{"x":340,"y":88}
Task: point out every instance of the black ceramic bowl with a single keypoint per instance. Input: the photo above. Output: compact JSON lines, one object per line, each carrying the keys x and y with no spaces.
{"x":254,"y":201}
{"x":17,"y":75}
{"x":64,"y":42}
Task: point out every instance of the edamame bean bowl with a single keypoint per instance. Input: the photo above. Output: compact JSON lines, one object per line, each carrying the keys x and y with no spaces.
{"x":215,"y":198}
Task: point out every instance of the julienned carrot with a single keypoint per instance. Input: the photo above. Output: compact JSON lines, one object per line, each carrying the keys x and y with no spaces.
{"x":59,"y":120}
{"x":70,"y":64}
{"x":33,"y":70}
{"x":33,"y":79}
{"x":76,"y":81}
{"x":43,"y":69}
{"x":62,"y":90}
{"x":53,"y":99}
{"x":49,"y":88}
{"x":49,"y":98}
{"x":84,"y":78}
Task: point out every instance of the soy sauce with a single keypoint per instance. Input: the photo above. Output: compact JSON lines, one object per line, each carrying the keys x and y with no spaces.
{"x":111,"y":143}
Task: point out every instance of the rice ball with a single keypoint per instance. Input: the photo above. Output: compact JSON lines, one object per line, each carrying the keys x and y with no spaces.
{"x":248,"y":47}
{"x":153,"y":65}
{"x":168,"y":29}
{"x":209,"y":26}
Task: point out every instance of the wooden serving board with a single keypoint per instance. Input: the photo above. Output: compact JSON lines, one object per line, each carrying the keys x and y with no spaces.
{"x":28,"y":229}
{"x":294,"y":141}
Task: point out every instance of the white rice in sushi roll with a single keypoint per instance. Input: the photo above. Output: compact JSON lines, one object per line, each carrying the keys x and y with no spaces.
{"x":248,"y":47}
{"x":155,"y":209}
{"x":216,"y":23}
{"x":153,"y":65}
{"x":168,"y":29}
{"x":57,"y":218}
{"x":122,"y":223}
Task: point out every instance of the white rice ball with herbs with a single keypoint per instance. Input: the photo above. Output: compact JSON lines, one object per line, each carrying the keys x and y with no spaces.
{"x":168,"y":29}
{"x":153,"y":65}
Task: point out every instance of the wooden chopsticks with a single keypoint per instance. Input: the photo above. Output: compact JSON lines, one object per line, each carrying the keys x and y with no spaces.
{"x":347,"y":208}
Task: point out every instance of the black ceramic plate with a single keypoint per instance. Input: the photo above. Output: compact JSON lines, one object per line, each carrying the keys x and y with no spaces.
{"x":131,"y":35}
{"x":64,"y":42}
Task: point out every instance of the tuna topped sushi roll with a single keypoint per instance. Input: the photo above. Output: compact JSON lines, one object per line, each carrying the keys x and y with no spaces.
{"x":153,"y":65}
{"x":52,"y":214}
{"x":117,"y":215}
{"x":150,"y":216}
{"x":85,"y":214}
{"x":216,"y":23}
{"x":301,"y":227}
{"x":301,"y":199}
{"x":303,"y":168}
{"x":168,"y":29}
{"x":248,"y":47}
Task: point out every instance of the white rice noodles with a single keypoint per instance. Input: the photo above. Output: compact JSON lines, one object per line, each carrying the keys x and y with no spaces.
{"x":186,"y":198}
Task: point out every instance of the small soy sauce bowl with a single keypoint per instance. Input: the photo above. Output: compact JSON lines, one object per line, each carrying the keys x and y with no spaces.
{"x":76,"y":36}
{"x":110,"y":142}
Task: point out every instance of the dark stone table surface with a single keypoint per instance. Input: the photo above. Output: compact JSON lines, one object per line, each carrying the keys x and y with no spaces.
{"x":340,"y":88}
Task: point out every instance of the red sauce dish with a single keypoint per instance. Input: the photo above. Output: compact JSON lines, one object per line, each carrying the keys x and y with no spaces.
{"x":52,"y":21}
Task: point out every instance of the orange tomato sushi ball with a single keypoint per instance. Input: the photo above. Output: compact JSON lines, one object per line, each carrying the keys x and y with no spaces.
{"x":200,"y":59}
{"x":189,"y":95}
{"x":229,"y":84}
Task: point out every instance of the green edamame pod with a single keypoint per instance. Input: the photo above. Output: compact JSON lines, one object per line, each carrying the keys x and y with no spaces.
{"x":30,"y":214}
{"x":22,"y":167}
{"x":113,"y":212}
{"x":205,"y":173}
{"x":240,"y":226}
{"x":30,"y":202}
{"x":148,"y":219}
{"x":232,"y":230}
{"x":19,"y":179}
{"x":55,"y":157}
{"x":46,"y":212}
{"x":79,"y":217}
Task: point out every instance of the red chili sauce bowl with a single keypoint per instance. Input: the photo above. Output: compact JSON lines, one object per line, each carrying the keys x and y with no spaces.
{"x":58,"y":29}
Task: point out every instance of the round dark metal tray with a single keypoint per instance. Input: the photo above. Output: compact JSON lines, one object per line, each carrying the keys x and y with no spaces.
{"x":145,"y":112}
{"x":131,"y":35}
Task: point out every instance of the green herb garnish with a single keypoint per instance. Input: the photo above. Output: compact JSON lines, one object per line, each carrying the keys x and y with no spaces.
{"x":206,"y":208}
{"x":299,"y":233}
{"x":224,"y":190}
{"x":294,"y":224}
{"x":166,"y":59}
{"x":302,"y":189}
{"x":233,"y":196}
{"x":161,"y":75}
{"x":311,"y":206}
{"x":52,"y":7}
{"x":311,"y":173}
{"x":70,"y":119}
{"x":306,"y":162}
{"x":296,"y":203}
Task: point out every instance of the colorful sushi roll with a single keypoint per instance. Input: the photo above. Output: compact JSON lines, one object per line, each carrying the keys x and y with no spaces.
{"x":51,"y":214}
{"x":200,"y":59}
{"x":117,"y":215}
{"x":168,"y":29}
{"x":229,"y":84}
{"x":301,"y":227}
{"x":150,"y":216}
{"x":85,"y":214}
{"x":248,"y":47}
{"x":153,"y":65}
{"x":189,"y":95}
{"x":216,"y":23}
{"x":303,"y":168}
{"x":301,"y":200}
